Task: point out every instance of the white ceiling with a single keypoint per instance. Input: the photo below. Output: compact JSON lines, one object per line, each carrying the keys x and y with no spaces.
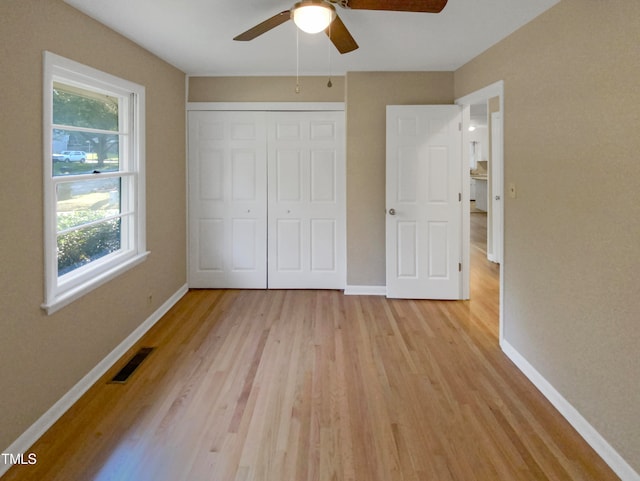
{"x":196,"y":35}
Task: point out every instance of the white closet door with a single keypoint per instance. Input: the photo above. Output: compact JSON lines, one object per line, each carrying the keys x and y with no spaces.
{"x":227,"y":200}
{"x":306,"y":165}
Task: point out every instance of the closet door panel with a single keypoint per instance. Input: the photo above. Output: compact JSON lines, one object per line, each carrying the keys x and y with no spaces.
{"x":227,"y":200}
{"x":323,"y":176}
{"x":323,"y":245}
{"x":210,"y":233}
{"x":288,"y":176}
{"x":306,"y":190}
{"x":289,"y":247}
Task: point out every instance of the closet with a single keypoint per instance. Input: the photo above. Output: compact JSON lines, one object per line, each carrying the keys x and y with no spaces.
{"x":266,"y":199}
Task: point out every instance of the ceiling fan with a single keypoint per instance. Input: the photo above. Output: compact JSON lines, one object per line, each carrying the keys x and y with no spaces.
{"x":314,"y":10}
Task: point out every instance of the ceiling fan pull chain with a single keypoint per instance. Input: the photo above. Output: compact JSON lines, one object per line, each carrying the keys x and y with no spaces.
{"x":297,"y":61}
{"x":329,"y":84}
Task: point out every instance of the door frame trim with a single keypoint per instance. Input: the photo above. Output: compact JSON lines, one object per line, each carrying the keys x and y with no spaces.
{"x":497,"y":181}
{"x":495,"y":89}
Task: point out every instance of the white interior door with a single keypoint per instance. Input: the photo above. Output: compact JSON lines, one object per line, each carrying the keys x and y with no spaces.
{"x":306,"y":168}
{"x":423,"y":201}
{"x":227,"y":200}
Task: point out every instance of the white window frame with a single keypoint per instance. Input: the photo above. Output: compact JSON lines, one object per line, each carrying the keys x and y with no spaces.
{"x":61,"y":291}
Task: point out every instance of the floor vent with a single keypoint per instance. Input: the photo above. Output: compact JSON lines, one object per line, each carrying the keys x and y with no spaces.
{"x":129,"y":368}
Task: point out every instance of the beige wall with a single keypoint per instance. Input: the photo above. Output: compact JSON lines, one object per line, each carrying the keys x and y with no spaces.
{"x":42,"y":356}
{"x":265,"y":89}
{"x":572,"y":235}
{"x":368,"y":94}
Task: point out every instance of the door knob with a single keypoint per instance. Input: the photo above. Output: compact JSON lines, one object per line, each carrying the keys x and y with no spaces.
{"x":392,"y":212}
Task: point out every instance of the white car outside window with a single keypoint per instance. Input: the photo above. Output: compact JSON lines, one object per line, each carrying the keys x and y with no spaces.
{"x":70,"y":156}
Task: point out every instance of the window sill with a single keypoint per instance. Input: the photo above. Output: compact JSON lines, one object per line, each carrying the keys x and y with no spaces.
{"x":58,"y":302}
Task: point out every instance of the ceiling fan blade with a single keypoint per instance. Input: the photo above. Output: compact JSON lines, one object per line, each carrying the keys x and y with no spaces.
{"x":340,"y":36}
{"x":426,"y":6}
{"x":265,"y":26}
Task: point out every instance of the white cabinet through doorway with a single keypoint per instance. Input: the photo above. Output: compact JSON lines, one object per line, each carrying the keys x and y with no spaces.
{"x":266,"y":199}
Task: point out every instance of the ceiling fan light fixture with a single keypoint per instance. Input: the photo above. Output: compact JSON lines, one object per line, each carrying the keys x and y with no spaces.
{"x":313,"y":16}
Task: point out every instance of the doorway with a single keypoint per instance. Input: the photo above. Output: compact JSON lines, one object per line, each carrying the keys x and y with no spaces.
{"x":488,"y":101}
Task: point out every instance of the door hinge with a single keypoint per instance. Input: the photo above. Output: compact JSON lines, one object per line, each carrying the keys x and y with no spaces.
{"x":460,"y":126}
{"x":459,"y":197}
{"x":459,"y":267}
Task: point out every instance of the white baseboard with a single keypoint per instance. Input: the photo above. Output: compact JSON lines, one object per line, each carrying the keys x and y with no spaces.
{"x":365,"y":291}
{"x":571,"y":414}
{"x":37,"y":429}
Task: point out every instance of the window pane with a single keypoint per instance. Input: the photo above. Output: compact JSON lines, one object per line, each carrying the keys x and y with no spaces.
{"x":79,"y":247}
{"x":81,"y":202}
{"x":83,"y":152}
{"x":77,"y":107}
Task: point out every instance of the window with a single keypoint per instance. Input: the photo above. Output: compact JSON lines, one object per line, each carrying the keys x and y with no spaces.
{"x":93,"y":179}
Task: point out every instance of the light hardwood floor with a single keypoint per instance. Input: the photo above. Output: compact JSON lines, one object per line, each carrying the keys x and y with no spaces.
{"x":315,"y":385}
